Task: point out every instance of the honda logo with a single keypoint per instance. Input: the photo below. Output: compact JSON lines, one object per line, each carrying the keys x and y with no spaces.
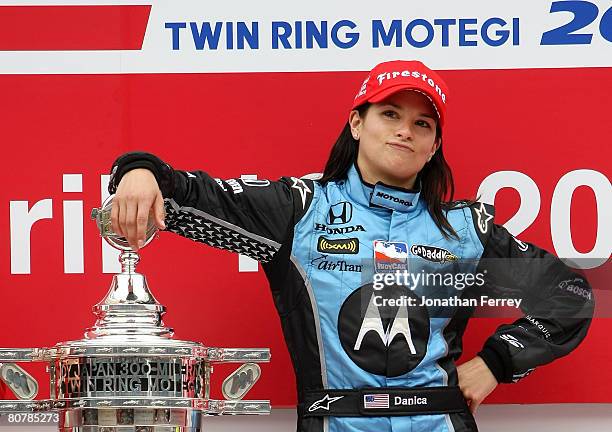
{"x":340,"y":213}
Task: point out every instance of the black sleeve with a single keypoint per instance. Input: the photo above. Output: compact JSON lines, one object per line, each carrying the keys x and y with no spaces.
{"x":557,"y":302}
{"x":252,"y":217}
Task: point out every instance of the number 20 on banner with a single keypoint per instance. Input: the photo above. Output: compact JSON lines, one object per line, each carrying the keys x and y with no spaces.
{"x":584,"y":14}
{"x":560,"y":209}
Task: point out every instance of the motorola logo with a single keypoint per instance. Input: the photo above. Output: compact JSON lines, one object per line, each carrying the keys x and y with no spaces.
{"x":394,"y":199}
{"x":384,"y":340}
{"x":398,"y":325}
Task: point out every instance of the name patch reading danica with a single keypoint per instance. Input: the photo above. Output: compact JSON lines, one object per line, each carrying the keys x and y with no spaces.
{"x":129,"y":375}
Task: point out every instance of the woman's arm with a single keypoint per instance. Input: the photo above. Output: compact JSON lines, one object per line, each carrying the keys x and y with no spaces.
{"x":557,"y":302}
{"x":253,"y":217}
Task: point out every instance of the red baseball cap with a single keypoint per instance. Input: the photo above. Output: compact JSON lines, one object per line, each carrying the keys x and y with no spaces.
{"x":393,"y":76}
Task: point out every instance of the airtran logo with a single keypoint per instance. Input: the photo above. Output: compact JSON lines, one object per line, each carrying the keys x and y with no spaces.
{"x":322,"y":263}
{"x":339,"y":246}
{"x":432,"y":253}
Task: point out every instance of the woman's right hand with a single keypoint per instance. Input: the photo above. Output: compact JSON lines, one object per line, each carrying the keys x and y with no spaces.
{"x":137,"y":195}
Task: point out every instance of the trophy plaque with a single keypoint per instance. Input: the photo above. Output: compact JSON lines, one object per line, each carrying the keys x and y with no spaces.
{"x":128,"y":373}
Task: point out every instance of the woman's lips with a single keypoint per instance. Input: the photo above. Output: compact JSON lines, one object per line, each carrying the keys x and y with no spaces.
{"x":404,"y":147}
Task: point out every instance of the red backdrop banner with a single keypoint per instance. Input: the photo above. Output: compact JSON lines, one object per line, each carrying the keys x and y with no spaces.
{"x":544,"y":123}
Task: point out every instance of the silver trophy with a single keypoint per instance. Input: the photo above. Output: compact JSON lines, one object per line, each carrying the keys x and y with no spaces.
{"x":128,"y":373}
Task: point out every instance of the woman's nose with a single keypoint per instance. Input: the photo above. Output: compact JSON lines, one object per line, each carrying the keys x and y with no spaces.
{"x":404,"y":131}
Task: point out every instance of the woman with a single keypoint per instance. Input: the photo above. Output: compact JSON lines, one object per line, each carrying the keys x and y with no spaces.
{"x":367,"y":354}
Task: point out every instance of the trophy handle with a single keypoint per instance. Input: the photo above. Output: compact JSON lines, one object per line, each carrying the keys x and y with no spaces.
{"x":25,"y":406}
{"x":237,"y":384}
{"x":22,"y":384}
{"x":22,"y":354}
{"x":236,"y":407}
{"x":237,"y":355}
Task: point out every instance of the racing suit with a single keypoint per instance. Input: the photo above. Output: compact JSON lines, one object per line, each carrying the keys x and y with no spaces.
{"x":363,"y":360}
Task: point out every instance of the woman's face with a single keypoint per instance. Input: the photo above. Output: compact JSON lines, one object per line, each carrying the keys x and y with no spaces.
{"x":396,"y":137}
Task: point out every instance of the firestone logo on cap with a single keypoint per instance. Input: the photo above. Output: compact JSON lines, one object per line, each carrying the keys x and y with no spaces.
{"x":390,"y":77}
{"x":363,"y":88}
{"x":414,"y":74}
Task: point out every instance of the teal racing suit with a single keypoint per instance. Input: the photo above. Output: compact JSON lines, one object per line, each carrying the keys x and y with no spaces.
{"x":373,"y":298}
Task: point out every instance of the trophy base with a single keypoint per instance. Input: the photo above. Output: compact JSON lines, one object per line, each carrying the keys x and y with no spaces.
{"x":131,"y":429}
{"x":131,"y":420}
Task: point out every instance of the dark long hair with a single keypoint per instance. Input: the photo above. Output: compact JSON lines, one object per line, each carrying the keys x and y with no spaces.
{"x":436,"y":177}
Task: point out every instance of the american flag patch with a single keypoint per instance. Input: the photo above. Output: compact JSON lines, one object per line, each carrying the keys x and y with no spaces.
{"x":376,"y":401}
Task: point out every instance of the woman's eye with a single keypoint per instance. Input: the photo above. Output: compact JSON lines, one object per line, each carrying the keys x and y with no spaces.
{"x":423,"y":123}
{"x":390,"y":114}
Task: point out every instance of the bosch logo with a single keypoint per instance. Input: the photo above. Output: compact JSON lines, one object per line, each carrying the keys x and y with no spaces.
{"x":575,"y":286}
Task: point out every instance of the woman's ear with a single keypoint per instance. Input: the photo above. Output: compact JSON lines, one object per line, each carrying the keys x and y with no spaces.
{"x":437,"y":144}
{"x":434,"y":148}
{"x":355,"y":122}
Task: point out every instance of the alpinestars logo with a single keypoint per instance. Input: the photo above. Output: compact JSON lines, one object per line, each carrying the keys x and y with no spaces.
{"x":483,"y":218}
{"x":381,"y":339}
{"x":340,"y":213}
{"x":302,"y":187}
{"x":323,"y":403}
